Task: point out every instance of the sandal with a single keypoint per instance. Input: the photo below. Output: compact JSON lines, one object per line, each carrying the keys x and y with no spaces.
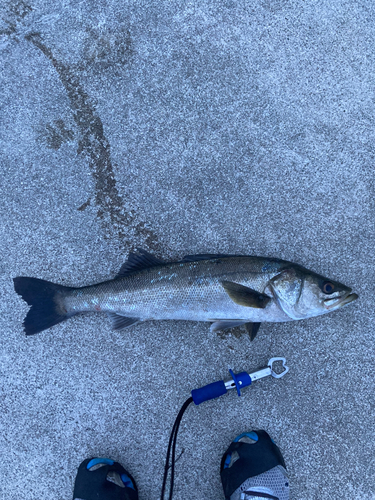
{"x":253,"y":468}
{"x":104,"y":479}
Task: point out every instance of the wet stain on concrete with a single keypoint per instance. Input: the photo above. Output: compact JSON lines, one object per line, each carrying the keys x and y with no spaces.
{"x":10,"y":30}
{"x":53,"y":136}
{"x":236,"y":332}
{"x":84,"y":205}
{"x":14,"y":12}
{"x":94,"y":146}
{"x":105,"y":47}
{"x":20,"y":9}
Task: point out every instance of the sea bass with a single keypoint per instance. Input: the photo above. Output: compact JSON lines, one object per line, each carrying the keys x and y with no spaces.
{"x":226,"y":290}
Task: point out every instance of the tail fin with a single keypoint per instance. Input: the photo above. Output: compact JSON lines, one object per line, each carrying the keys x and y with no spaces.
{"x":46,"y":301}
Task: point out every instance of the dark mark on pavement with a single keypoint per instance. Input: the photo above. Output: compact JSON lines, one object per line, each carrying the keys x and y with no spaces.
{"x":20,"y":9}
{"x":105,"y":47}
{"x":96,"y":148}
{"x":13,"y":12}
{"x":236,"y":332}
{"x":84,"y":205}
{"x":10,"y":30}
{"x":55,"y":136}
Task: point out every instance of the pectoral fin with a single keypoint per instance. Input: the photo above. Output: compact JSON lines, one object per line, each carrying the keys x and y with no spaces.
{"x":252,"y":330}
{"x":244,"y":296}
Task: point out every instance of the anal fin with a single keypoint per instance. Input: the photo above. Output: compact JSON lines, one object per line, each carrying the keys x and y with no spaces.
{"x":119,"y":322}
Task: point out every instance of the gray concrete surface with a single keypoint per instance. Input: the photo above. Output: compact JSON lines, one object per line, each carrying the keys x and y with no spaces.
{"x":185,"y":127}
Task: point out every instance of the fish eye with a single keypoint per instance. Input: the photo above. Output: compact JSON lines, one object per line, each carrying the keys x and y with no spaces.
{"x":328,"y":287}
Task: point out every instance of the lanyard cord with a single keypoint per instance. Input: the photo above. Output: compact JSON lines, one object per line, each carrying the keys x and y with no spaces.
{"x":211,"y":391}
{"x":172,"y":446}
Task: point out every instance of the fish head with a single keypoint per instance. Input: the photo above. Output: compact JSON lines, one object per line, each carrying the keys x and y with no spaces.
{"x":304,"y":294}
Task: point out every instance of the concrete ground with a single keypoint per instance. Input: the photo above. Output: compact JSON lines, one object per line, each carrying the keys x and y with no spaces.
{"x":186,"y":127}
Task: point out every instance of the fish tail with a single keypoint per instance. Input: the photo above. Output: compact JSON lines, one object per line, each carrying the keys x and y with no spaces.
{"x":46,"y":300}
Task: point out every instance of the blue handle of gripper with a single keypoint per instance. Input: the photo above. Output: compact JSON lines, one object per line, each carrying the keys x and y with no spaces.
{"x":210,"y":391}
{"x":241,"y":380}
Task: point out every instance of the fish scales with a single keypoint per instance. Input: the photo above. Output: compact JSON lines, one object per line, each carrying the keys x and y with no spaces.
{"x":225,"y":290}
{"x":189,"y":291}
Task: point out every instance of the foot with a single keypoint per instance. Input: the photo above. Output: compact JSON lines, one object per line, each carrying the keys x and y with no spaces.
{"x":253,"y":468}
{"x":104,"y":479}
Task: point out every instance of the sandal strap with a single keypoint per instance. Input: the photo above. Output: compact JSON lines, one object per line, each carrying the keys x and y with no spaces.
{"x":254,"y":459}
{"x":93,"y":485}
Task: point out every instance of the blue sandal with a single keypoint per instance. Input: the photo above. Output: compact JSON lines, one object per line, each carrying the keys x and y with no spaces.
{"x":104,"y":479}
{"x":253,"y":468}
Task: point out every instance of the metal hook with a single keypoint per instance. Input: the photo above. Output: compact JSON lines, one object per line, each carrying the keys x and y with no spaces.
{"x":274,"y":360}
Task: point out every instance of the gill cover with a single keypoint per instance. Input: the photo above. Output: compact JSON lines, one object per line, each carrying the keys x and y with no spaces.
{"x":287,"y":287}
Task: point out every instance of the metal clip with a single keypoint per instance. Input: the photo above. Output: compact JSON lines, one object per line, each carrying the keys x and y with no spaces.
{"x":264,"y":372}
{"x":274,"y":360}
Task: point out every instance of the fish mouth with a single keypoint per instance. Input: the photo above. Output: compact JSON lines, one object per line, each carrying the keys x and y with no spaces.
{"x":340,"y":301}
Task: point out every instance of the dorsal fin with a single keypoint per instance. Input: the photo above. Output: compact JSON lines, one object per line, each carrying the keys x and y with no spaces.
{"x":204,"y":256}
{"x":137,"y":262}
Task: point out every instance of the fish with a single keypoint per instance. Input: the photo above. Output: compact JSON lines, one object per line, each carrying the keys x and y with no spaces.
{"x":225,"y":290}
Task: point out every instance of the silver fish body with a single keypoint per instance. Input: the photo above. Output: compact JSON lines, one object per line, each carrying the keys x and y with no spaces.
{"x":183,"y":291}
{"x":224,"y":290}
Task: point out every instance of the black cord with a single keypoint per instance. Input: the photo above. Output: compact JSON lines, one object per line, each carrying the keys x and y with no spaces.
{"x":172,"y":446}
